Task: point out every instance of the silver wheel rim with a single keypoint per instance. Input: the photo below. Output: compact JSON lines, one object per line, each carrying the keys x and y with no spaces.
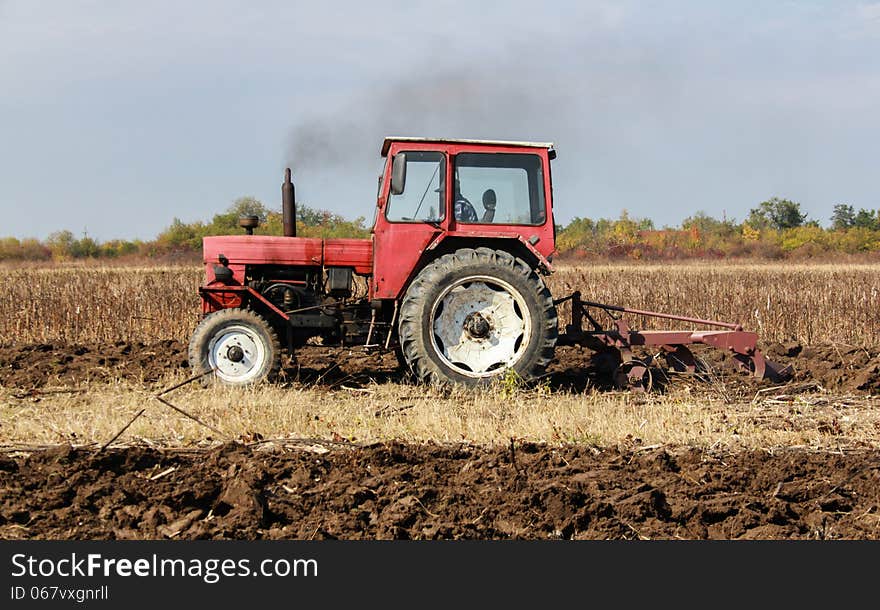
{"x":224,"y":354}
{"x":480,"y":326}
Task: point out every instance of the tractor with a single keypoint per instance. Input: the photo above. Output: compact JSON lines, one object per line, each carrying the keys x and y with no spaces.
{"x":451,"y":280}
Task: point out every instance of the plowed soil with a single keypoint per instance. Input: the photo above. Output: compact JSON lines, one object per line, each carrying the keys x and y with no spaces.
{"x":397,"y":491}
{"x":839,"y":368}
{"x":431,"y":491}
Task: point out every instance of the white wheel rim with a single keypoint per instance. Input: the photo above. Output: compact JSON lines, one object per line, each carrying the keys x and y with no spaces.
{"x":495,"y":310}
{"x":230,"y":344}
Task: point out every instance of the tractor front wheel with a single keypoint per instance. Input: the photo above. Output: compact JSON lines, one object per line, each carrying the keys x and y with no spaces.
{"x":238,"y":344}
{"x":475,"y":314}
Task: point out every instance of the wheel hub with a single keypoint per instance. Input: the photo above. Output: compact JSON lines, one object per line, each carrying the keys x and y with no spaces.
{"x":480,"y":326}
{"x":237,"y":354}
{"x":477,"y":326}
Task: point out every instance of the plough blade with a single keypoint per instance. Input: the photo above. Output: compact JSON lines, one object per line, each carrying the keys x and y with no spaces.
{"x":776,"y":372}
{"x":762,"y":368}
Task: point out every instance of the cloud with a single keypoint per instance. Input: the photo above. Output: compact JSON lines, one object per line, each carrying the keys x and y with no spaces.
{"x":869,"y":12}
{"x":861,"y":21}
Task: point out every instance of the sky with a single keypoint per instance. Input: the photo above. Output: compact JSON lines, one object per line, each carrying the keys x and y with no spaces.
{"x":116,"y":117}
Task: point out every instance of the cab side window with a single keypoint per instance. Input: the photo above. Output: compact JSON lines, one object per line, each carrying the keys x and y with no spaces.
{"x":499,"y":188}
{"x":422,"y":199}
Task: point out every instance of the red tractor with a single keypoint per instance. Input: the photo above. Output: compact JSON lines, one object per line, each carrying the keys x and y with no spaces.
{"x":450,"y":279}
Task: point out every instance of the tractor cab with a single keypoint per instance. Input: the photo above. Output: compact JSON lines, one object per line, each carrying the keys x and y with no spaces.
{"x":439,"y":195}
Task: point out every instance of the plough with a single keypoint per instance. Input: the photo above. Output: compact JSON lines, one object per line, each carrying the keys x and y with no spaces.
{"x":631,"y":372}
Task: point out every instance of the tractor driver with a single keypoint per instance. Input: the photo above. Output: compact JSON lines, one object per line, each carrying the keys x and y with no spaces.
{"x":465,"y":212}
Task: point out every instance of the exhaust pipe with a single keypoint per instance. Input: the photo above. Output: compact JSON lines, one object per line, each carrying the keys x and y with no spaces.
{"x":288,"y":206}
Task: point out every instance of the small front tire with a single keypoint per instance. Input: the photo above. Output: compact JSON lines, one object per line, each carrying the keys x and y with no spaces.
{"x":239,"y":345}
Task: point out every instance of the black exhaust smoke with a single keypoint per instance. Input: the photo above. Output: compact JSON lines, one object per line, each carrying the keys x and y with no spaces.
{"x":288,"y":206}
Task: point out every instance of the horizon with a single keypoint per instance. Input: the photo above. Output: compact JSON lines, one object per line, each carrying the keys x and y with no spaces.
{"x":623,"y":215}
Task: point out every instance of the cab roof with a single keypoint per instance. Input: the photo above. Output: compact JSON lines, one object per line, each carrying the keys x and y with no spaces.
{"x":389,"y":139}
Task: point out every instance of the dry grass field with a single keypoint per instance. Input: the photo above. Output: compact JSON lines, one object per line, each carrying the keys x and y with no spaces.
{"x":688,"y":416}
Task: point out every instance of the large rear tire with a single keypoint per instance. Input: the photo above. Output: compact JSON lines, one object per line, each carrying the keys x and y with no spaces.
{"x":475,"y":314}
{"x":239,"y":344}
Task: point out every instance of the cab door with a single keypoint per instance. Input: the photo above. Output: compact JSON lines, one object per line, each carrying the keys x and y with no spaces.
{"x":408,"y":221}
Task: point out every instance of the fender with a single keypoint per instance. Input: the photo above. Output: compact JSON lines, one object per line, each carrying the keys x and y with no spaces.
{"x":543,"y":262}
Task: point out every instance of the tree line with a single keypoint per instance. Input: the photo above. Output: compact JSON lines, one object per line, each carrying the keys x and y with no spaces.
{"x":776,"y":228}
{"x":182,"y":239}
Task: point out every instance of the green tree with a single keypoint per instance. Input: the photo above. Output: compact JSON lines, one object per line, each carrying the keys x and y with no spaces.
{"x":867,"y":219}
{"x":118,"y":247}
{"x":85,"y":247}
{"x":579,"y":233}
{"x":311,"y":217}
{"x":60,"y":244}
{"x":226,"y":223}
{"x":709,"y":225}
{"x":778,"y":214}
{"x":182,"y":235}
{"x":842,"y":217}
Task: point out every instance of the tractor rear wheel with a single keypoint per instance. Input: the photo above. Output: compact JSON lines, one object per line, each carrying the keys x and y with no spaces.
{"x":472,"y":315}
{"x":239,"y":344}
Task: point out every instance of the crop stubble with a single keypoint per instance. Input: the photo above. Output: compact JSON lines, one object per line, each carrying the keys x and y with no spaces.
{"x":802,"y":302}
